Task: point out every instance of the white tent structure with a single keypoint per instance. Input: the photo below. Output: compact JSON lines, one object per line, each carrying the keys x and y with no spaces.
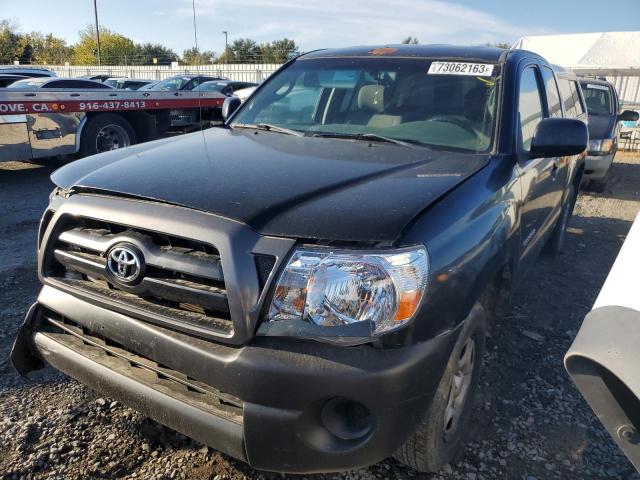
{"x":614,"y":55}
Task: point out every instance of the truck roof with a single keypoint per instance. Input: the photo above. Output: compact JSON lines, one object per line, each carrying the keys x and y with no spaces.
{"x":489,"y":54}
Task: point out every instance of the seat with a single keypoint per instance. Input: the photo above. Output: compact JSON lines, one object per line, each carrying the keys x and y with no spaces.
{"x":371,"y":98}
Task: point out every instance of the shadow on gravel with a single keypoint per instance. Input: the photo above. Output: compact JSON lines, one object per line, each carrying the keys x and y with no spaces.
{"x":624,"y":180}
{"x":528,"y":413}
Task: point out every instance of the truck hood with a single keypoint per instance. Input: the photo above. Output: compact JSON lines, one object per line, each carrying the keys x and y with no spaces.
{"x":282,"y":185}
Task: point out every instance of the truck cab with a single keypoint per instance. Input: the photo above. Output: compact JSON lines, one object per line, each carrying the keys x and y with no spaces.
{"x":308,"y":287}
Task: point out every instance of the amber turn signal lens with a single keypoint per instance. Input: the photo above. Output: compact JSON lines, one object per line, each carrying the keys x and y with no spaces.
{"x":408,"y":305}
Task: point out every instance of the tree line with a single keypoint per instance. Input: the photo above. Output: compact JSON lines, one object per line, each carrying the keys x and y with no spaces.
{"x":117,"y":49}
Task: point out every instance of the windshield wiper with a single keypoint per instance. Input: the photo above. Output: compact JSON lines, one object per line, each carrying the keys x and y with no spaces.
{"x":269,"y":128}
{"x":364,"y":136}
{"x":382,"y":138}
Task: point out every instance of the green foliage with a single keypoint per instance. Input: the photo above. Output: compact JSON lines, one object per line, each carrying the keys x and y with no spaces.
{"x":245,"y":50}
{"x":10,"y":47}
{"x":498,"y":44}
{"x":193,"y":56}
{"x":410,"y":40}
{"x":45,"y":49}
{"x":279,"y":51}
{"x":242,"y":50}
{"x":146,"y":52}
{"x":116,"y":49}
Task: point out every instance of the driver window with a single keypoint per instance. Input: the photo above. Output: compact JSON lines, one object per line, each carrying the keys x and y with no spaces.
{"x":529,"y":106}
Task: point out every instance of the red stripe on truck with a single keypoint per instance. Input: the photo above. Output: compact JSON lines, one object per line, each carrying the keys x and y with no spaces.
{"x":21,"y":108}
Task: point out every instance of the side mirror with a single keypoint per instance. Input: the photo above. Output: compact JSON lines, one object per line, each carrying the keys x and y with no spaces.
{"x":628,"y":116}
{"x":559,"y":137}
{"x":229,"y":106}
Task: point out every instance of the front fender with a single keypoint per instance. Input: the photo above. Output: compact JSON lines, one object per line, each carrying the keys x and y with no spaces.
{"x":472,"y":235}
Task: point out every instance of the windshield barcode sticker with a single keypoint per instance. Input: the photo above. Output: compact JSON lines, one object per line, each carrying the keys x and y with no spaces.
{"x":597,"y":87}
{"x":461,"y":68}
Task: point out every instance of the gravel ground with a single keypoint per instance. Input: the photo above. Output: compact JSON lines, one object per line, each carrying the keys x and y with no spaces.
{"x":529,"y":422}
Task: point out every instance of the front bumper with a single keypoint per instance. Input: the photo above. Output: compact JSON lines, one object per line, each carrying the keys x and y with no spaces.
{"x":265,"y":403}
{"x":597,"y":166}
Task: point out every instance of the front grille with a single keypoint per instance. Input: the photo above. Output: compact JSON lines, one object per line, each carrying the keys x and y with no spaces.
{"x":183,"y":282}
{"x":142,"y":369}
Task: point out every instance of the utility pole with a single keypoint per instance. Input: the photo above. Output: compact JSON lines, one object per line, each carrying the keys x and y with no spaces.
{"x":226,"y":41}
{"x":95,"y":11}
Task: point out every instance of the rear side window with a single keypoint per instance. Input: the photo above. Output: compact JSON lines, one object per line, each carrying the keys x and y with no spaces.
{"x":529,"y":106}
{"x":576,"y":97}
{"x":568,"y":99}
{"x":553,"y":96}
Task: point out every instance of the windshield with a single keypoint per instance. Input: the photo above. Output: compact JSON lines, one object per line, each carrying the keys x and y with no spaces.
{"x":597,"y":97}
{"x":396,"y":98}
{"x":27,"y":83}
{"x":173,"y":83}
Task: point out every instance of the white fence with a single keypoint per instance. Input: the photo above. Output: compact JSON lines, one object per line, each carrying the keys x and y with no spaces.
{"x":240,"y":72}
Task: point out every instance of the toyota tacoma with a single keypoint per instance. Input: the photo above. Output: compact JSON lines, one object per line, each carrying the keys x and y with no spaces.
{"x":308,"y":287}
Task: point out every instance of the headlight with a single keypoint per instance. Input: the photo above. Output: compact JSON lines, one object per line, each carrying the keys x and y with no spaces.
{"x":603,"y":146}
{"x":377,"y":292}
{"x":594,"y":145}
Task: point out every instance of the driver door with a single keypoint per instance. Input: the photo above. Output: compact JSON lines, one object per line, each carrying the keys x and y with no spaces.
{"x":541,"y":181}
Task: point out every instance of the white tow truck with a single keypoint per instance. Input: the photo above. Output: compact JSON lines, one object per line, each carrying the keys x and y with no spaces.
{"x":38,"y":124}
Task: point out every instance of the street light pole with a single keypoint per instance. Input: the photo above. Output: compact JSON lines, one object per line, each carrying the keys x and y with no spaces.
{"x":226,"y":41}
{"x":95,"y":11}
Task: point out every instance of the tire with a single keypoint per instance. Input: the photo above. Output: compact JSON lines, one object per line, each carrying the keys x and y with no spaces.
{"x":555,"y":244}
{"x":105,"y":132}
{"x":438,"y":438}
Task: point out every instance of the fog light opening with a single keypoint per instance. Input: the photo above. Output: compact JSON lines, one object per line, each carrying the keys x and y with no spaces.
{"x":346,"y":419}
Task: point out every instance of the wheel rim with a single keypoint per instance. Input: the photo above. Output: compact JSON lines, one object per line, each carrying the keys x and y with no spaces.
{"x":112,"y":137}
{"x":459,"y":388}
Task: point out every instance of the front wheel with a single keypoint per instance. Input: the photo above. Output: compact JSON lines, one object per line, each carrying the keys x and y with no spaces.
{"x":105,"y":132}
{"x":440,"y":434}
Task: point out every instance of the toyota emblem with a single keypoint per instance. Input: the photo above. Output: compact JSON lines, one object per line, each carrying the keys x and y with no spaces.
{"x":125,"y":263}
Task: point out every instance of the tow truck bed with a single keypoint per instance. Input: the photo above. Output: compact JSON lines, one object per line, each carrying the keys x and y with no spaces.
{"x":36,"y":124}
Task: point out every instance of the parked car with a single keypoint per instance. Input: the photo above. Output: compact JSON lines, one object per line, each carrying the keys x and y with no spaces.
{"x":183,"y":82}
{"x":605,"y":116}
{"x":315,"y":295}
{"x":124,"y":83}
{"x":70,"y":83}
{"x":27,"y":72}
{"x":244,"y":93}
{"x":8,"y":79}
{"x":226,"y":87}
{"x":149,"y":86}
{"x":97,"y":77}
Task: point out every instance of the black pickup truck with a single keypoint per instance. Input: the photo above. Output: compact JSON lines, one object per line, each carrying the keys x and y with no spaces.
{"x":308,"y":287}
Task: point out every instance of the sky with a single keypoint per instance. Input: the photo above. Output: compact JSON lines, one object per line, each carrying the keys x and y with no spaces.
{"x":324,"y":23}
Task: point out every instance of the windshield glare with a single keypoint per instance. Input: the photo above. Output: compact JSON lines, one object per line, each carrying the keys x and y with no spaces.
{"x":390,"y":97}
{"x":210,"y":87}
{"x":173,"y":83}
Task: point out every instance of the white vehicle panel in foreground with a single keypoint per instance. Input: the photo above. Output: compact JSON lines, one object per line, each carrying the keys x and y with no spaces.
{"x":604,"y":360}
